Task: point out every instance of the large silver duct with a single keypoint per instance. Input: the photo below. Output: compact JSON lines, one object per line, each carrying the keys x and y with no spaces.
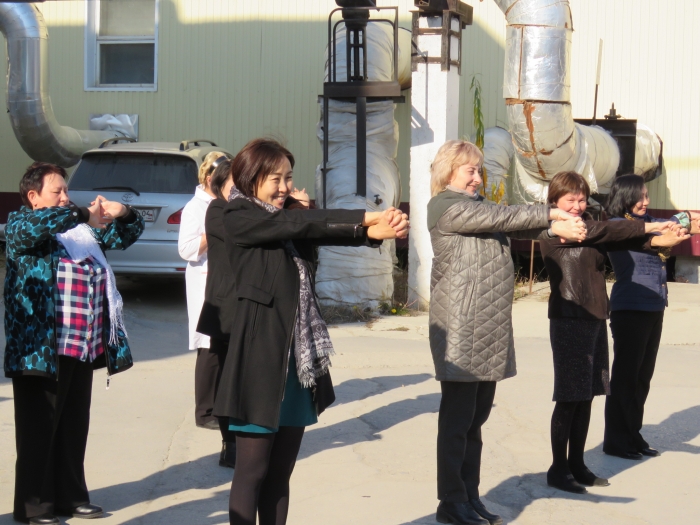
{"x":28,"y":100}
{"x":537,"y":92}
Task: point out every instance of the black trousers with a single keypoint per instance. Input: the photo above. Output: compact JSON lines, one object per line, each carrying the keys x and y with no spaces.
{"x":464,"y":408}
{"x":207,"y":374}
{"x":52,"y":419}
{"x":636,"y":336}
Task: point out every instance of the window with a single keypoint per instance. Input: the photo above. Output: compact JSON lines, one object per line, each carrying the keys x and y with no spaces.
{"x":145,"y":173}
{"x":121,"y":45}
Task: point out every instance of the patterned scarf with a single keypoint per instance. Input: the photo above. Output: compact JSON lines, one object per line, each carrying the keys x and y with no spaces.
{"x":312,"y":343}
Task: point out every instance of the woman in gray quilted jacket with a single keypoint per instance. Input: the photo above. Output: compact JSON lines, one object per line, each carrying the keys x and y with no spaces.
{"x":471,"y":336}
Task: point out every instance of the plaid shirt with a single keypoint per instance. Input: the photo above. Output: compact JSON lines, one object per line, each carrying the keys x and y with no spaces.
{"x":79,"y":323}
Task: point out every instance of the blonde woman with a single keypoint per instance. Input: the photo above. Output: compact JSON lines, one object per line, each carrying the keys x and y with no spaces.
{"x":471,"y":336}
{"x":192,"y":245}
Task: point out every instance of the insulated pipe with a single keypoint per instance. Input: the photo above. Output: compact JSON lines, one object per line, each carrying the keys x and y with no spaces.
{"x":537,"y":92}
{"x":28,"y":100}
{"x":350,"y":276}
{"x":498,"y":152}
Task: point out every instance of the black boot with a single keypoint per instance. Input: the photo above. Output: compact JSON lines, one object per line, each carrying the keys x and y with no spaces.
{"x":459,"y":513}
{"x":227,"y":458}
{"x":584,"y":476}
{"x":564,"y":480}
{"x":493,"y":519}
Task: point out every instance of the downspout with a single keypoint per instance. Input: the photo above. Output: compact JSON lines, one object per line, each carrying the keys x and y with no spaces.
{"x":28,"y":100}
{"x":537,"y":93}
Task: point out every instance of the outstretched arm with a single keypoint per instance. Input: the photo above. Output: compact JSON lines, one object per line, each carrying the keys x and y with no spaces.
{"x":481,"y":217}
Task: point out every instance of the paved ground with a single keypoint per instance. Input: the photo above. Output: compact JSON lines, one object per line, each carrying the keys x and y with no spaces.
{"x":371,"y":458}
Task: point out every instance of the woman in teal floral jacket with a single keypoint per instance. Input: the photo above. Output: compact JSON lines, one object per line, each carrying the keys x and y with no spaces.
{"x":63,"y":319}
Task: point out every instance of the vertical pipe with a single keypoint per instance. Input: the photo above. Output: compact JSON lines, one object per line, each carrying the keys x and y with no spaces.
{"x":396,"y":44}
{"x":532,"y":263}
{"x":325,"y":148}
{"x":597,"y":80}
{"x":361,"y":128}
{"x":365,"y":74}
{"x":348,"y":49}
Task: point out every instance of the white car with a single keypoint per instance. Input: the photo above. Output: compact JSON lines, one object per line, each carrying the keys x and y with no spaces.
{"x":157,"y":179}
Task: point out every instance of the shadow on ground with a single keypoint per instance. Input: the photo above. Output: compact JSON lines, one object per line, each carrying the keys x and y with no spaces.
{"x":204,"y":474}
{"x":359,"y":389}
{"x":514,"y":494}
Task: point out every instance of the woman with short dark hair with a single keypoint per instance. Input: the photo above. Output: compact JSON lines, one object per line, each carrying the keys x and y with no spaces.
{"x":276,"y":379}
{"x":637,"y":303}
{"x":578,"y":308}
{"x":63,"y":319}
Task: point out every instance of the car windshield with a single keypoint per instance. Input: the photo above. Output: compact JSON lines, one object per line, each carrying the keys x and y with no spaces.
{"x":145,"y":173}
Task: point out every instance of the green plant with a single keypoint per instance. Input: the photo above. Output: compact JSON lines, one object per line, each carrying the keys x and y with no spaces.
{"x":478,"y":115}
{"x":494,"y":192}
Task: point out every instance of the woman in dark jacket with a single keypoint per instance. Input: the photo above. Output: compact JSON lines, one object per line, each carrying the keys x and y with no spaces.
{"x":637,"y":302}
{"x":578,"y":308}
{"x":275,"y":380}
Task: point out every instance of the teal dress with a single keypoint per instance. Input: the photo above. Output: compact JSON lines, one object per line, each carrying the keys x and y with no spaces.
{"x":297,"y":410}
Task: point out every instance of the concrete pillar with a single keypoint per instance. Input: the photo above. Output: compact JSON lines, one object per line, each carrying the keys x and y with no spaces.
{"x":434,"y":119}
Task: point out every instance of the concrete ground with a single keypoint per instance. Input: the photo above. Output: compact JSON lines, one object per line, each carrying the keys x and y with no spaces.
{"x":371,"y":458}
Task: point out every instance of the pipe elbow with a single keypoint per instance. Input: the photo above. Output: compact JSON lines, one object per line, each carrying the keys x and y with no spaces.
{"x":28,"y":102}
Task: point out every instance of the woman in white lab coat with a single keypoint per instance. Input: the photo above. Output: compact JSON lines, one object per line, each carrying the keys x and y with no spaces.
{"x":192,"y":245}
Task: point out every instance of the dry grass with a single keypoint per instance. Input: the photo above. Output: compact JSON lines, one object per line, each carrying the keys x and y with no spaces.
{"x":333,"y":314}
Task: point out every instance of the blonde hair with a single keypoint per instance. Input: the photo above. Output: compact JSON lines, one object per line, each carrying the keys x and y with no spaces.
{"x":451,"y":155}
{"x":205,"y":167}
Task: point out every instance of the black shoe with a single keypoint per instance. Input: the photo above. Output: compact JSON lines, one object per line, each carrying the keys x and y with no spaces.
{"x":565,"y":481}
{"x":87,"y":511}
{"x":585,"y":477}
{"x":459,"y":513}
{"x":44,"y":519}
{"x":227,"y":458}
{"x":625,"y":455}
{"x":650,"y":452}
{"x":493,"y":519}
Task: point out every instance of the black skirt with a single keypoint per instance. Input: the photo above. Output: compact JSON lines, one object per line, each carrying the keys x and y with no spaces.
{"x":580,"y":353}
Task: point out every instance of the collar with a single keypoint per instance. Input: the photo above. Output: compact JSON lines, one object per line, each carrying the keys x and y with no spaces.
{"x":646,"y":217}
{"x":462,"y":192}
{"x":201,"y":194}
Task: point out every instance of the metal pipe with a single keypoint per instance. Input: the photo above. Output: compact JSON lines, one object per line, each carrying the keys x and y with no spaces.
{"x":361,"y":132}
{"x":537,"y":92}
{"x":28,"y":100}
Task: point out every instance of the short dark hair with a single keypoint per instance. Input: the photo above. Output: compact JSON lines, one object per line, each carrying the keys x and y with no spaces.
{"x":567,"y":182}
{"x":218,"y":179}
{"x":255,"y":161}
{"x":33,"y":179}
{"x":625,"y":192}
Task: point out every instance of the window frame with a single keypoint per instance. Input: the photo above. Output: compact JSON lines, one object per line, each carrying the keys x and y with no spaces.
{"x":92,"y":51}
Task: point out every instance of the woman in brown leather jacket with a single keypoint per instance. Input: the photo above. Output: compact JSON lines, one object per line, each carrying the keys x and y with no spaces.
{"x":578,"y":309}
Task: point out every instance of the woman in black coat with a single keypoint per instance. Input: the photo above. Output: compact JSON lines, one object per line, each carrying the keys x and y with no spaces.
{"x":275,"y":380}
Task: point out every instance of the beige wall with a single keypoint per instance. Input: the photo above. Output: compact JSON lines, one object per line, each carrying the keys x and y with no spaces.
{"x":230,"y":75}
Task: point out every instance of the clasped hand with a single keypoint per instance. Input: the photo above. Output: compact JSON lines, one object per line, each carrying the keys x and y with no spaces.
{"x":388,"y":224}
{"x":667,"y":233}
{"x":103,"y":212}
{"x":567,"y":226}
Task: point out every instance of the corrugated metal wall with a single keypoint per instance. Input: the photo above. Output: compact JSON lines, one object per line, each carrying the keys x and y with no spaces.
{"x":232,"y":70}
